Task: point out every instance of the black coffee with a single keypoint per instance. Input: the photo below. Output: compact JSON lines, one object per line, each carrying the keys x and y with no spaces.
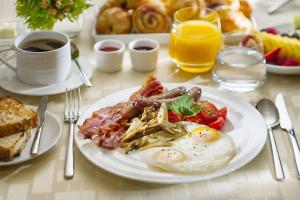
{"x":41,"y":45}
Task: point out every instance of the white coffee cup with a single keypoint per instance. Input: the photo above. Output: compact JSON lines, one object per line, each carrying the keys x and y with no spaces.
{"x":144,"y":60}
{"x":41,"y":68}
{"x":109,"y":61}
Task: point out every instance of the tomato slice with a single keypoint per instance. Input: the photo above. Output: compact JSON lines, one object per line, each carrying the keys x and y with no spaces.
{"x":218,"y":123}
{"x":173,"y":117}
{"x":223,"y":112}
{"x":209,"y":112}
{"x":197,"y":119}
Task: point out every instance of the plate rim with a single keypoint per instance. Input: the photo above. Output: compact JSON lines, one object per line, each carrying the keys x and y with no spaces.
{"x":277,"y":69}
{"x":12,"y":162}
{"x":57,"y":91}
{"x":131,"y":177}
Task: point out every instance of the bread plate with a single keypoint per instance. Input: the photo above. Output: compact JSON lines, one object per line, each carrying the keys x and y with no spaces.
{"x":249,"y":140}
{"x":50,"y":136}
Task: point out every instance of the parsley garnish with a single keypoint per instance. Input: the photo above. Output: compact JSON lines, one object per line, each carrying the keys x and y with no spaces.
{"x":184,"y":106}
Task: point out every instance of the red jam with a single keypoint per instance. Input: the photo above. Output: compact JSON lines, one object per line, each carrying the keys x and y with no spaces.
{"x":108,"y":49}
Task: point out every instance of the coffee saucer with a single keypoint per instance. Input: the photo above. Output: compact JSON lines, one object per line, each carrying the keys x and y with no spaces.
{"x":10,"y":82}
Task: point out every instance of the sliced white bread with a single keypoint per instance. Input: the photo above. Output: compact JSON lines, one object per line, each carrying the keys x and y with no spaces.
{"x":13,"y":145}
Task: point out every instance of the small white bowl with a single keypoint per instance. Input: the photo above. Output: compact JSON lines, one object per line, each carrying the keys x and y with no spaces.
{"x":144,"y":60}
{"x":109,"y":61}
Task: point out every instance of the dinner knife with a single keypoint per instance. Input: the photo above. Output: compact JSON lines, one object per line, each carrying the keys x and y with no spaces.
{"x":286,"y":123}
{"x":277,"y":5}
{"x":42,"y":115}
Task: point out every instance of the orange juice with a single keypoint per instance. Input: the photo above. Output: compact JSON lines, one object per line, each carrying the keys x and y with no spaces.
{"x":194,"y":45}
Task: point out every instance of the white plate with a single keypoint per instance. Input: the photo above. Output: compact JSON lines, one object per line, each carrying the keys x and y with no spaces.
{"x":10,"y":82}
{"x":244,"y":124}
{"x":275,"y":69}
{"x":50,"y":136}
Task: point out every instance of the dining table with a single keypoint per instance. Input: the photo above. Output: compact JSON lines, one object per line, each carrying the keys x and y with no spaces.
{"x":42,"y":178}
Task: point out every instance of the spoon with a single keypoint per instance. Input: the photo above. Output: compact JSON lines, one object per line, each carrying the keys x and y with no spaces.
{"x":269,"y":112}
{"x":74,"y":56}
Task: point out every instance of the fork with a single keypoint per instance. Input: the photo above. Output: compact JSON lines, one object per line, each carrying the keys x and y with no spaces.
{"x":71,"y":115}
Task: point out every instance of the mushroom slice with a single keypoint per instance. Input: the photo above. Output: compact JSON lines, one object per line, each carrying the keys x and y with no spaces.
{"x":162,"y":115}
{"x":163,"y":121}
{"x":148,"y":114}
{"x":132,"y":130}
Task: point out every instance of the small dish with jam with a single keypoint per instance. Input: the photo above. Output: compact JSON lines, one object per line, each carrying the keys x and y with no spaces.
{"x":109,"y":55}
{"x":144,"y":54}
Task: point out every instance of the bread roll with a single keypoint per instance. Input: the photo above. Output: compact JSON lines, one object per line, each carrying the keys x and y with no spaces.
{"x":113,"y":21}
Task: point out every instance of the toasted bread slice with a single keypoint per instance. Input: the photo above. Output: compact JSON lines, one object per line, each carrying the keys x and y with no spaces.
{"x":15,"y":117}
{"x":13,"y":145}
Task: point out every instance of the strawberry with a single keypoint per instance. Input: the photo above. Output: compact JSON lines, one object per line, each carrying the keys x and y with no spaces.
{"x":173,"y":117}
{"x":272,"y":55}
{"x":246,"y":40}
{"x":271,"y":30}
{"x":218,"y":123}
{"x":290,"y":62}
{"x":280,"y":61}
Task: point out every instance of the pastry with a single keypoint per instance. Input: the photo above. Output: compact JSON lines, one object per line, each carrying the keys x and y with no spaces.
{"x":233,"y":20}
{"x":133,"y":4}
{"x":215,"y":4}
{"x":113,"y":21}
{"x":174,"y":5}
{"x":113,"y":3}
{"x":151,"y":17}
{"x":245,"y":8}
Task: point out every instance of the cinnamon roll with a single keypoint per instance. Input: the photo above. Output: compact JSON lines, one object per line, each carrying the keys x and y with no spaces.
{"x":151,"y":17}
{"x":174,"y":5}
{"x":113,"y":21}
{"x":133,"y":4}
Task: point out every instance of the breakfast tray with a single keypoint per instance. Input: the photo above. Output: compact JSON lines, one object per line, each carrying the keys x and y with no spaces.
{"x":161,"y":38}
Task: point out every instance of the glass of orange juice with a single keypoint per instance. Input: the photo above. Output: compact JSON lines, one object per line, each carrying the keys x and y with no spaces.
{"x":195,"y":39}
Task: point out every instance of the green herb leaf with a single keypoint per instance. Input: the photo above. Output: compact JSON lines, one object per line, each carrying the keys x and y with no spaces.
{"x":43,"y":14}
{"x":184,"y":106}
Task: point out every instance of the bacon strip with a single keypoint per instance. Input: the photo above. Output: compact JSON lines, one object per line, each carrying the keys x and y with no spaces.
{"x":107,"y":125}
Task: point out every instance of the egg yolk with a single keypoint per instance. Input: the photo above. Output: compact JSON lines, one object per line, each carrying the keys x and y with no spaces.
{"x":170,"y":156}
{"x":205,"y":134}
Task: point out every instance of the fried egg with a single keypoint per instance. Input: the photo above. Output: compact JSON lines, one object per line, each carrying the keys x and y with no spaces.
{"x":202,"y":150}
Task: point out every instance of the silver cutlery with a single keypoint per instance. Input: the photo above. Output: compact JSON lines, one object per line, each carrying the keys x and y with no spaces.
{"x":74,"y":56}
{"x":286,"y":124}
{"x":277,"y":6}
{"x":42,"y":108}
{"x":269,"y":112}
{"x":71,"y":115}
